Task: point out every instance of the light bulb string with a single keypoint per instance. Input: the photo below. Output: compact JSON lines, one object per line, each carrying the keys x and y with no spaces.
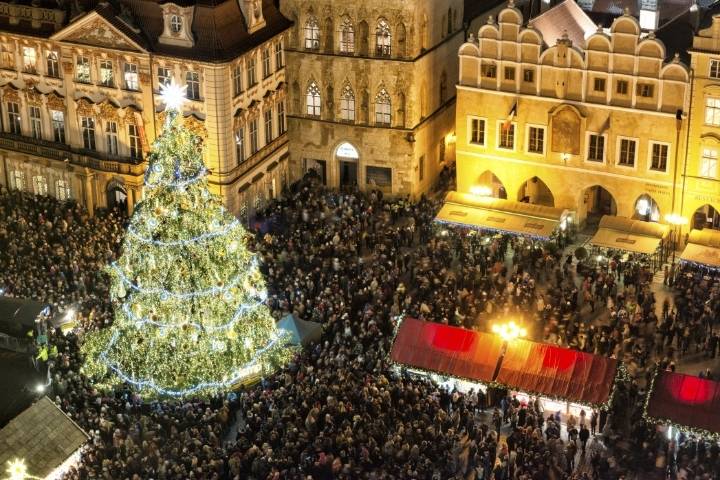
{"x":176,"y":243}
{"x":206,"y":385}
{"x":243,"y":308}
{"x":182,"y":183}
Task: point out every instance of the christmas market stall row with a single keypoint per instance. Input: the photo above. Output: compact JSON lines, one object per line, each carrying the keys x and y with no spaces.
{"x":564,"y":380}
{"x":624,"y":240}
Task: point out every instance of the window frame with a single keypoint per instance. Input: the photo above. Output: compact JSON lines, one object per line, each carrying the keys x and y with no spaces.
{"x":599,"y":82}
{"x":586,"y":157}
{"x":715,"y":110}
{"x":164,"y":79}
{"x":36,"y":130}
{"x":52,"y":58}
{"x":88,"y":133}
{"x":509,"y":70}
{"x":62,"y":185}
{"x":347,"y":104}
{"x":237,"y":79}
{"x":240,"y":156}
{"x":714,"y":64}
{"x":134,"y":142}
{"x":651,"y":147}
{"x":14,"y":118}
{"x":32,"y":66}
{"x":251,"y":70}
{"x":58,"y":126}
{"x":268,"y":128}
{"x":527,"y":71}
{"x":83,"y":69}
{"x":346,"y":37}
{"x":641,"y":87}
{"x":279,"y":55}
{"x":131,"y":76}
{"x":253,"y":136}
{"x":618,"y":149}
{"x":499,"y":133}
{"x":102,"y":68}
{"x":311,"y":34}
{"x":194,"y":92}
{"x":18,"y":177}
{"x":40,"y":184}
{"x":703,"y":157}
{"x":383,"y":108}
{"x":112,"y":143}
{"x":528,"y":127}
{"x":266,"y":63}
{"x":470,"y":120}
{"x":313,"y":91}
{"x":383,"y":49}
{"x":281,"y":120}
{"x":622,"y":86}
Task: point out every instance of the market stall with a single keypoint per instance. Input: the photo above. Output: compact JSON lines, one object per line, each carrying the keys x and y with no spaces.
{"x":703,"y":249}
{"x":620,"y":234}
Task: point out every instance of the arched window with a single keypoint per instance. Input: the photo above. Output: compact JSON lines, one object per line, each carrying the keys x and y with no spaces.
{"x":382,"y":108}
{"x":347,"y":104}
{"x":401,"y":35}
{"x":347,"y":36}
{"x":443,"y":86}
{"x":449,"y":21}
{"x":382,"y":38}
{"x":312,"y":34}
{"x":312,"y":100}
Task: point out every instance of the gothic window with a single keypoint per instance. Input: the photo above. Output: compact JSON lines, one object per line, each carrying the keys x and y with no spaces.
{"x":312,"y":34}
{"x":443,"y":86}
{"x":401,"y":35}
{"x":312,"y":100}
{"x":382,"y":38}
{"x":347,"y":104}
{"x":382,"y":108}
{"x":347,"y":36}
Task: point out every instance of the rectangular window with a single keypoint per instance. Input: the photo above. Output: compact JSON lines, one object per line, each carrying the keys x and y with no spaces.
{"x":29,"y":59}
{"x":267,"y":70}
{"x":18,"y":179}
{"x":599,"y":85}
{"x":489,"y":70}
{"x":40,"y":185}
{"x":53,"y":65}
{"x":164,"y":76}
{"x":62,"y":190}
{"x":708,"y":163}
{"x":421,"y":168}
{"x":87,"y":126}
{"x":111,"y":138}
{"x":14,"y":118}
{"x":252,"y":79}
{"x":621,"y":87}
{"x":135,"y":144}
{"x":131,"y":77}
{"x":645,"y":90}
{"x":659,"y":158}
{"x":536,"y":140}
{"x":528,"y":75}
{"x":106,"y":74}
{"x":7,"y":57}
{"x":268,"y":125}
{"x":281,"y":117}
{"x":507,"y":136}
{"x":510,"y":73}
{"x":253,"y":136}
{"x":35,"y":122}
{"x":712,"y":111}
{"x":58,"y":124}
{"x":596,"y":148}
{"x":192,"y":80}
{"x":379,"y":176}
{"x":477,"y":131}
{"x":714,"y":69}
{"x":279,"y":56}
{"x":82,"y":69}
{"x":240,"y":144}
{"x":237,"y":80}
{"x":628,"y":151}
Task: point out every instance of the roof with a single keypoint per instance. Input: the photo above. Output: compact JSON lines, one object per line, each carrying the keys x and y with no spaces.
{"x":706,"y":236}
{"x":635,"y":227}
{"x":556,"y":372}
{"x":487,"y":213}
{"x":18,"y":314}
{"x":564,"y":18}
{"x":686,"y":400}
{"x":703,"y":247}
{"x":43,"y":436}
{"x":17,"y":375}
{"x":635,"y":236}
{"x":446,"y":350}
{"x":531,"y":367}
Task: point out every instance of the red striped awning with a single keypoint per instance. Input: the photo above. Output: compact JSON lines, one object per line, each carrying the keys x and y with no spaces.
{"x":446,"y":350}
{"x":552,"y":371}
{"x":686,"y":400}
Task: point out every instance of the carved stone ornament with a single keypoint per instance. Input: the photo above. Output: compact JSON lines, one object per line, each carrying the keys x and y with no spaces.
{"x":33,"y":98}
{"x":99,"y":33}
{"x":10,"y":94}
{"x":108,"y":112}
{"x":85,"y":108}
{"x":68,"y":67}
{"x":144,"y":78}
{"x":190,"y":122}
{"x":55,"y":102}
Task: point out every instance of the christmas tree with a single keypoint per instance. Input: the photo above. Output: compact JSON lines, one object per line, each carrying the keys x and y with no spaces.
{"x":190,"y":317}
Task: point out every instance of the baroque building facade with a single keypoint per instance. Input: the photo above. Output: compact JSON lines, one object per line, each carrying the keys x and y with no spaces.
{"x":560,"y":112}
{"x":371,"y":96}
{"x":79,"y":89}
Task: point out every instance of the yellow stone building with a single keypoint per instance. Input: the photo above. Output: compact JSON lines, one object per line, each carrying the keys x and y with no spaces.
{"x":79,"y":93}
{"x":560,"y":112}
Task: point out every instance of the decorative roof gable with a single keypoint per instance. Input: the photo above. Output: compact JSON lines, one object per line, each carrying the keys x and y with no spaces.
{"x":96,"y":31}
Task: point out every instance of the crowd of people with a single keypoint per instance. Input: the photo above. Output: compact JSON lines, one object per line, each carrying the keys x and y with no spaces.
{"x":354,"y":262}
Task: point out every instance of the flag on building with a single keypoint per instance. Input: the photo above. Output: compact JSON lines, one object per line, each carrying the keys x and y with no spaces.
{"x":511,"y":116}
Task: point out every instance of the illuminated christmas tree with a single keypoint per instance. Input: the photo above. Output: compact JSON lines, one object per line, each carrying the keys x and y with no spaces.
{"x":190,"y":317}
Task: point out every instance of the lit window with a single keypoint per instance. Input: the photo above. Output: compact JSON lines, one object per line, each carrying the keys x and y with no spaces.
{"x":347,"y":104}
{"x":62,"y":190}
{"x":29,"y":59}
{"x":382,"y":38}
{"x":712,"y":111}
{"x":279,"y":56}
{"x":53,"y":65}
{"x":628,"y":150}
{"x":252,"y":77}
{"x":237,"y":79}
{"x":40,"y":185}
{"x":164,"y":76}
{"x":14,"y":118}
{"x":659,"y":157}
{"x":312,"y":100}
{"x":131,"y":76}
{"x":382,"y":108}
{"x":254,"y":146}
{"x":192,"y":80}
{"x":714,"y":68}
{"x":58,"y":123}
{"x":106,"y":73}
{"x":87,"y":125}
{"x":708,"y":163}
{"x":281,"y":117}
{"x":489,"y":70}
{"x":596,"y":148}
{"x":645,"y":90}
{"x":267,"y":117}
{"x":18,"y":179}
{"x":507,"y":136}
{"x":135,"y":144}
{"x":240,"y":144}
{"x":111,"y":138}
{"x":267,"y":70}
{"x":312,"y":34}
{"x":7,"y":57}
{"x":347,"y":36}
{"x":477,"y":131}
{"x":35,"y":122}
{"x":82,"y":70}
{"x":536,"y":140}
{"x":175,"y":24}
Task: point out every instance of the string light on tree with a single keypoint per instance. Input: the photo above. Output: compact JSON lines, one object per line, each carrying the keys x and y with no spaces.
{"x":190,"y":313}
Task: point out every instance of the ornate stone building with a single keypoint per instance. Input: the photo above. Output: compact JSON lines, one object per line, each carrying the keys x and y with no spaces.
{"x":371,"y":100}
{"x":79,"y":95}
{"x":560,"y":112}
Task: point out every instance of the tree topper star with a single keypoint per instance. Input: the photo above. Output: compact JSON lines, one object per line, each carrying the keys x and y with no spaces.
{"x":173,"y":95}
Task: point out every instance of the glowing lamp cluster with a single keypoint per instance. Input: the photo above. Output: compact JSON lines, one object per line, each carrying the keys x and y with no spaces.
{"x":481,"y":190}
{"x":509,"y":331}
{"x":17,"y":470}
{"x":676,"y":219}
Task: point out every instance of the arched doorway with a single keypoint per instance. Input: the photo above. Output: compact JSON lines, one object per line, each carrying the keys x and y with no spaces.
{"x":706,"y":217}
{"x":488,"y":185}
{"x":347,"y":158}
{"x":646,"y":209}
{"x":117,"y":196}
{"x":597,"y":202}
{"x":537,"y":192}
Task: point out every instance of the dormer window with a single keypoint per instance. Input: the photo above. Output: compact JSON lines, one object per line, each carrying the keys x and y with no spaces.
{"x":176,"y":24}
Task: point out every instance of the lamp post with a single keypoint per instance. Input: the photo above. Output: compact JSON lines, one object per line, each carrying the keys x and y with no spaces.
{"x":481,"y":190}
{"x":507,"y":331}
{"x":677,"y":221}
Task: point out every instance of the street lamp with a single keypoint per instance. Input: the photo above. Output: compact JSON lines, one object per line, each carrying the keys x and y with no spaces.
{"x":677,"y":221}
{"x":509,"y":331}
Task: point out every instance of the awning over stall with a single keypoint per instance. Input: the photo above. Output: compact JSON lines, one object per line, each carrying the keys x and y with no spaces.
{"x":500,"y":215}
{"x":552,"y":371}
{"x":703,"y":247}
{"x":446,"y":350}
{"x":685,"y":400}
{"x":635,"y":236}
